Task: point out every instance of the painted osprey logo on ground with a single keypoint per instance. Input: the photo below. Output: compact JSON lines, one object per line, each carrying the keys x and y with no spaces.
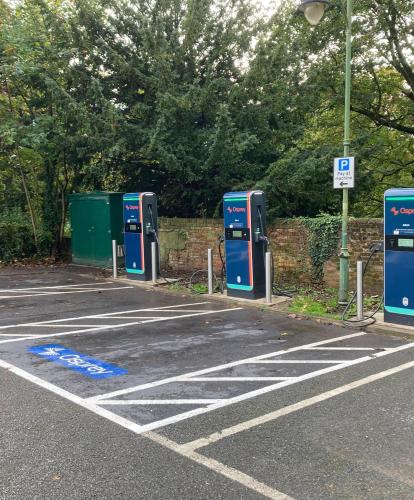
{"x":76,"y":361}
{"x":52,"y":351}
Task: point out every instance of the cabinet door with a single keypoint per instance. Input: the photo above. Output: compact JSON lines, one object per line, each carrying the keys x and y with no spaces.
{"x":81,"y":238}
{"x":100,"y":232}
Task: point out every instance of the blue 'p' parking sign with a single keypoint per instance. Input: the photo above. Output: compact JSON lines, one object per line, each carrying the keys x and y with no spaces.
{"x":344,"y":172}
{"x":344,"y":164}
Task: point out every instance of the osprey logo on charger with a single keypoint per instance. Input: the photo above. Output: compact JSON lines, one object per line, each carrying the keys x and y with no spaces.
{"x":230,"y":210}
{"x":402,"y":211}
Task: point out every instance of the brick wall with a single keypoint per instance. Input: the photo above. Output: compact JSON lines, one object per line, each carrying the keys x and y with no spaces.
{"x":184,"y":244}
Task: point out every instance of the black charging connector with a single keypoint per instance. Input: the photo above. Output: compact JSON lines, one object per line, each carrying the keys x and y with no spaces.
{"x":149,"y":229}
{"x":377,"y":247}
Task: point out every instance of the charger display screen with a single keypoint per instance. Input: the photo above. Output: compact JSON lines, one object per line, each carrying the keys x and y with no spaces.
{"x":237,"y":234}
{"x":405,"y":243}
{"x":132,"y":227}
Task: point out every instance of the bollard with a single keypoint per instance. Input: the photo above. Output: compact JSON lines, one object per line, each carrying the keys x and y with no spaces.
{"x":360,"y":290}
{"x":269,"y":280}
{"x":114,"y":259}
{"x":210,"y":271}
{"x":154,"y":261}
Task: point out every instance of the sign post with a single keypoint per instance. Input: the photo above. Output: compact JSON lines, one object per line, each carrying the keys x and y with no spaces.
{"x":344,"y":173}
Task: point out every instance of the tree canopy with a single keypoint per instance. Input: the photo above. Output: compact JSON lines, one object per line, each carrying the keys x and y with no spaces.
{"x":192,"y":98}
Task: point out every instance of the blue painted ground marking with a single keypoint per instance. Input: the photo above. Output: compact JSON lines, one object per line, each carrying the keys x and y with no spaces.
{"x":76,"y":361}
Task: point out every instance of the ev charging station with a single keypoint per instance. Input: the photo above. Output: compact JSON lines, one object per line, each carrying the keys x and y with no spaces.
{"x":245,"y":243}
{"x":399,"y":256}
{"x":140,"y":231}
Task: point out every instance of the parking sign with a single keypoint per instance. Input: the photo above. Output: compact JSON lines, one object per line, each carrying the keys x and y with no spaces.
{"x":344,"y":172}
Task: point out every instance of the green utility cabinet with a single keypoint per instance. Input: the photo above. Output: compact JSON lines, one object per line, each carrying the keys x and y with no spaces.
{"x":96,"y":219}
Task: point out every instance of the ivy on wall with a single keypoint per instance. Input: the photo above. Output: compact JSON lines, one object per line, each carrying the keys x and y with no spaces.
{"x":323,"y":240}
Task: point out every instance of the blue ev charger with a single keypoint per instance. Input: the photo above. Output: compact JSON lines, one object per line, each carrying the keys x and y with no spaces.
{"x":399,"y":256}
{"x":140,"y":230}
{"x":245,"y":243}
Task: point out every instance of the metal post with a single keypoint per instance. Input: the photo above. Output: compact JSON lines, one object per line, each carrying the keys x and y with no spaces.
{"x":154,"y":261}
{"x":114,"y":259}
{"x":344,"y":255}
{"x":269,"y":280}
{"x":210,"y":271}
{"x":360,"y":290}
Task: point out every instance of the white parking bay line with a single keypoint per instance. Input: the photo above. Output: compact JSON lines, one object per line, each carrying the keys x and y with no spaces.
{"x":86,"y":290}
{"x":131,"y":317}
{"x":234,"y":379}
{"x":342,"y":349}
{"x":254,"y":422}
{"x":219,"y":468}
{"x":29,"y":335}
{"x":301,"y":361}
{"x":66,"y":326}
{"x":124,"y":402}
{"x":55,"y":286}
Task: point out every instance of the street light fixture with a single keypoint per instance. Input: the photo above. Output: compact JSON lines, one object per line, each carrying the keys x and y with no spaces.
{"x":314,"y":10}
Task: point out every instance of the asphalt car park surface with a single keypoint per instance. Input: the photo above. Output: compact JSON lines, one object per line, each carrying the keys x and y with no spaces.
{"x":116,"y":391}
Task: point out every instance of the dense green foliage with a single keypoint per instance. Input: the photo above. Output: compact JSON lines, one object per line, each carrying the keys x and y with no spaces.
{"x":191,"y":98}
{"x":323,"y":241}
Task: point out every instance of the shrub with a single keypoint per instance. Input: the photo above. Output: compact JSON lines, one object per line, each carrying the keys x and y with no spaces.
{"x":16,"y":236}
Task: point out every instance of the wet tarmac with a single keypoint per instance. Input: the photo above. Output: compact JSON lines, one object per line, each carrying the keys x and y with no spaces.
{"x":191,"y":367}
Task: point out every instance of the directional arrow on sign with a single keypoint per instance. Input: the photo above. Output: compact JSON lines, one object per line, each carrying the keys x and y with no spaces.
{"x":343,"y":183}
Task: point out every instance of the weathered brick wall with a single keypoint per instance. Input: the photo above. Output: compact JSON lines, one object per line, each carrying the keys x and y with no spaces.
{"x":363,"y":233}
{"x":184,"y":244}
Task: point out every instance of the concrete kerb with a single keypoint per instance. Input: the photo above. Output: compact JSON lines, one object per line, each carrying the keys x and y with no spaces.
{"x":279,"y":306}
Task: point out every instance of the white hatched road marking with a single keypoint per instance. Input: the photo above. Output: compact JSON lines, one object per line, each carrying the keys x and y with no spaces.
{"x":204,"y":371}
{"x":243,"y":397}
{"x":254,"y":422}
{"x":93,"y":328}
{"x":222,"y":469}
{"x":98,"y":316}
{"x":188,"y":450}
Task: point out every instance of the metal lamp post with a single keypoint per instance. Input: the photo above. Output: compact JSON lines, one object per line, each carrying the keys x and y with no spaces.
{"x":314,"y":10}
